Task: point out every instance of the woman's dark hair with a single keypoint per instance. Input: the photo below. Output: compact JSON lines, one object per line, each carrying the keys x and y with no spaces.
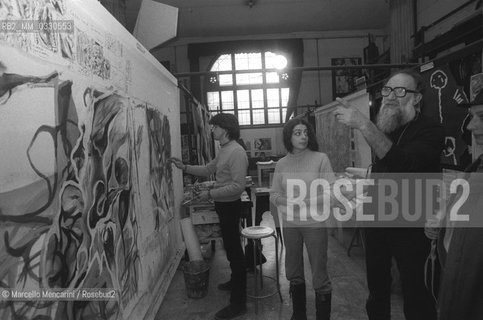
{"x":288,"y":131}
{"x":228,"y":122}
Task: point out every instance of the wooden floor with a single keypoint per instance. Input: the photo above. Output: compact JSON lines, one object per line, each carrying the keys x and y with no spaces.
{"x":347,"y":275}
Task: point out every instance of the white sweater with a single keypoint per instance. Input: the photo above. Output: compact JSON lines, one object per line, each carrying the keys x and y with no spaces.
{"x":305,"y":166}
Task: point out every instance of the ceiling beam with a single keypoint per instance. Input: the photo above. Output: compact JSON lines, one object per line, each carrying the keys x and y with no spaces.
{"x":312,"y":68}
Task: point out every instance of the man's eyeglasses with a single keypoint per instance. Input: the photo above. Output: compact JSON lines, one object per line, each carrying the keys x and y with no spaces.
{"x":399,"y":92}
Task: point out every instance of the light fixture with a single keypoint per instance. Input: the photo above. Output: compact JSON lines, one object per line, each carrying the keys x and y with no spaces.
{"x":279,"y":62}
{"x":250,"y":3}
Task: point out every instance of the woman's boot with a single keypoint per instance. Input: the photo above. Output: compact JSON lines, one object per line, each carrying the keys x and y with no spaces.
{"x":322,"y":305}
{"x":297,"y":292}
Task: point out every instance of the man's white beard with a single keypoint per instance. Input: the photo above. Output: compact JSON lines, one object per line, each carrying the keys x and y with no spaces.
{"x":389,"y":119}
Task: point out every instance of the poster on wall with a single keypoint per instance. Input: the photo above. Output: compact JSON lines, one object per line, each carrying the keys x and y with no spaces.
{"x":263,"y":147}
{"x":476,"y":89}
{"x":344,"y":147}
{"x":440,"y":102}
{"x":344,"y":80}
{"x":87,"y":196}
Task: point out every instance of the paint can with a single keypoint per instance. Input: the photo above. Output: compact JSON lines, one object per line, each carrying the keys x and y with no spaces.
{"x":206,"y":250}
{"x":196,"y":278}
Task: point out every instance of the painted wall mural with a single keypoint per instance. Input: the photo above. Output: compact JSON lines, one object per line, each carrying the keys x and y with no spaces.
{"x":87,"y":197}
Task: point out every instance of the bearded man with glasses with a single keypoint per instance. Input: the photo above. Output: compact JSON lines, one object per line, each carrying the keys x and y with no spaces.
{"x":403,"y":141}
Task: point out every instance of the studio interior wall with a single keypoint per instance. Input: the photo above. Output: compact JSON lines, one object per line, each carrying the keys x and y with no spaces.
{"x":316,"y":86}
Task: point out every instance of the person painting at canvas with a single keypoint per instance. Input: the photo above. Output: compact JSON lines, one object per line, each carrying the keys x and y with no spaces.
{"x":230,"y":167}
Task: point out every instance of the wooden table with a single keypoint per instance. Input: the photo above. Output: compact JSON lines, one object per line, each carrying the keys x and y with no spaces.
{"x":204,"y":215}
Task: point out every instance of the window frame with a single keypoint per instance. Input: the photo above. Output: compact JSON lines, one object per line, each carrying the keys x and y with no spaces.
{"x":283,"y":84}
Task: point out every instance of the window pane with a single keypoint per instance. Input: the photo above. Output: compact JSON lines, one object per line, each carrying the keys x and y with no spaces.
{"x":249,"y":78}
{"x":243,"y":99}
{"x":285,"y":95}
{"x":226,"y":79}
{"x":275,"y":61}
{"x":272,"y":77}
{"x":253,"y":98}
{"x":274,"y":115}
{"x":269,"y":58}
{"x":244,"y":117}
{"x":257,"y":98}
{"x":248,"y":61}
{"x":223,"y":63}
{"x":284,"y":114}
{"x":258,"y":116}
{"x":213,"y":99}
{"x":273,"y":99}
{"x":227,"y":100}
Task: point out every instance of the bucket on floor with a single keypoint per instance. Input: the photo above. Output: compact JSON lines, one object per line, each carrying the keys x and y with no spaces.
{"x":196,"y":277}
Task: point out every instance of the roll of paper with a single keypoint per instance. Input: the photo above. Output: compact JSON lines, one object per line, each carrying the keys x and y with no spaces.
{"x":191,"y":240}
{"x":358,"y":172}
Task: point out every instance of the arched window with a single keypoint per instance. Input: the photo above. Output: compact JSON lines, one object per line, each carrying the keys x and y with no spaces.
{"x":256,"y":98}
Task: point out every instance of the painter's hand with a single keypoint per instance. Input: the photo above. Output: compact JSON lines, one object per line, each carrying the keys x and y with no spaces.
{"x":349,"y":115}
{"x":178,"y":163}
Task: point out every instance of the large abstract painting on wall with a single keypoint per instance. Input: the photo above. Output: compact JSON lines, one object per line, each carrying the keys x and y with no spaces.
{"x":87,"y":197}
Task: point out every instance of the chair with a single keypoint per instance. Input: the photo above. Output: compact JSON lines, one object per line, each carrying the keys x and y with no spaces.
{"x":276,"y":221}
{"x":256,"y":234}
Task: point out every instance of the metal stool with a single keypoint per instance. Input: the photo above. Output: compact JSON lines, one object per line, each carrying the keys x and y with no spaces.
{"x":256,"y":234}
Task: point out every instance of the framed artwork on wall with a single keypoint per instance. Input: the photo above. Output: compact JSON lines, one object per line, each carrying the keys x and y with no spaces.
{"x":263,"y":147}
{"x":344,"y":80}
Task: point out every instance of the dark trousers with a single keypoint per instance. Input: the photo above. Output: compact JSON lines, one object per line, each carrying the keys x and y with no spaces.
{"x":229,"y":214}
{"x":410,"y":248}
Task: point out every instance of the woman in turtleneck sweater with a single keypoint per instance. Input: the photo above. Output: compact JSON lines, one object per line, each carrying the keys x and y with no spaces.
{"x":305,"y":164}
